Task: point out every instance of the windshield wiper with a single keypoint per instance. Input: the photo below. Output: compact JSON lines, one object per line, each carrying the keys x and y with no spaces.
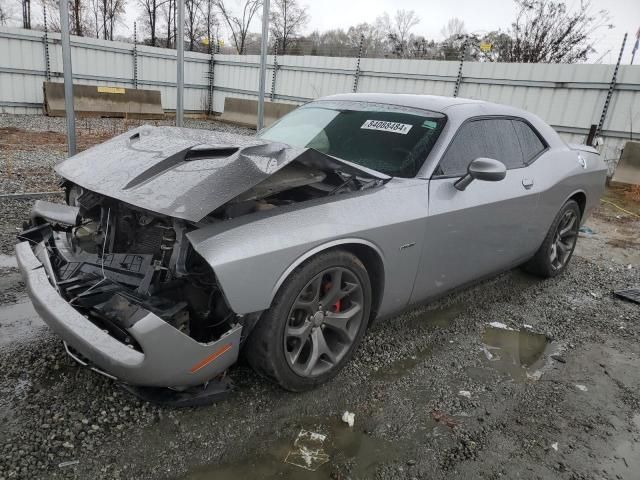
{"x":346,"y":180}
{"x":358,"y":184}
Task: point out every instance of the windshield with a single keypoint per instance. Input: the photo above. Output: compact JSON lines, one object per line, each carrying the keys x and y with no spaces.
{"x":390,"y":139}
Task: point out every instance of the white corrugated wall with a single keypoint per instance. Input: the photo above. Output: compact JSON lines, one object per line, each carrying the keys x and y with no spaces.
{"x":569,"y":97}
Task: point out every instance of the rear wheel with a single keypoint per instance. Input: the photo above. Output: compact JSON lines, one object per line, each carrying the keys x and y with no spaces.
{"x":315,"y":324}
{"x":556,"y":250}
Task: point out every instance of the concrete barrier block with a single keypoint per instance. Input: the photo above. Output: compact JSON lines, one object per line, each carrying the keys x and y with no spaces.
{"x":102,"y":101}
{"x":628,"y":168}
{"x":244,"y":111}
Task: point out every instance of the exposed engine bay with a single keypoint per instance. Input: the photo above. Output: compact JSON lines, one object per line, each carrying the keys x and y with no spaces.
{"x":111,"y":259}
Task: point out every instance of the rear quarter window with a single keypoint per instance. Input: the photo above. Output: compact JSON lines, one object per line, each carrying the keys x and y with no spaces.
{"x":530,"y":141}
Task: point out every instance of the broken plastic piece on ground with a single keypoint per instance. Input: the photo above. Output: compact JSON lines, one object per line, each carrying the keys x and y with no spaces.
{"x":215,"y":390}
{"x":486,"y":352}
{"x":555,"y":446}
{"x":349,"y":418}
{"x":582,"y":388}
{"x":631,"y":294}
{"x":68,"y":464}
{"x":465,"y":393}
{"x":587,"y":231}
{"x":499,"y":325}
{"x":307,"y":451}
{"x":441,"y":417}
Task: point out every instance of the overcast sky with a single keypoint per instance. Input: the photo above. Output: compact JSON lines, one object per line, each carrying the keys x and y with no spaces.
{"x":478,"y":15}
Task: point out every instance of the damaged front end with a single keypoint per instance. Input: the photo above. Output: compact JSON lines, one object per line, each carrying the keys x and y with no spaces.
{"x":126,"y":294}
{"x":113,"y":271}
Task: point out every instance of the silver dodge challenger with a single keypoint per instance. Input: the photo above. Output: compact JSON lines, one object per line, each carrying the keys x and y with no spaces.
{"x":178,"y":249}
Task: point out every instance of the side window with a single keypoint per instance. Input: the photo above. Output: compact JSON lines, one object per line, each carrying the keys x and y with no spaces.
{"x":502,"y":143}
{"x":468,"y":144}
{"x":530,"y":143}
{"x":490,"y":138}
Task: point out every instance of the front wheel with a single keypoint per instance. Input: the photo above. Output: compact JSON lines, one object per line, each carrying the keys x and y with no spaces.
{"x":556,"y":250}
{"x":315,"y":324}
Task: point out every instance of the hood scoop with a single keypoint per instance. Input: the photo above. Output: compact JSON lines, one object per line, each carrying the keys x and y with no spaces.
{"x":198,"y":152}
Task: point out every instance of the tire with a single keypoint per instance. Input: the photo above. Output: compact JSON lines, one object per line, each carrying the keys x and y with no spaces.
{"x":557,"y":244}
{"x":289,"y":336}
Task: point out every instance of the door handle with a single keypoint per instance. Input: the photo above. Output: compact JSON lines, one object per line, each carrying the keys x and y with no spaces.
{"x":527,"y":183}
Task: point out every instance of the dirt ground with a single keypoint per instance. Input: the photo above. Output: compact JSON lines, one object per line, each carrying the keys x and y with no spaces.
{"x":515,"y":377}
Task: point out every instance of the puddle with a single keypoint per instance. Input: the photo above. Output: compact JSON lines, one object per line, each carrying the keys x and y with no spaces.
{"x":342,"y":445}
{"x":519,"y":353}
{"x":17,"y":321}
{"x":8,"y":261}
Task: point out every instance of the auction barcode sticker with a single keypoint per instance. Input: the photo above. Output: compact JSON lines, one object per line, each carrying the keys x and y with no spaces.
{"x":383,"y":126}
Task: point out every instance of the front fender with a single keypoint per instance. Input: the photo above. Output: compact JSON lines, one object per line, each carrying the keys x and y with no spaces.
{"x":321,"y":248}
{"x":251,"y":256}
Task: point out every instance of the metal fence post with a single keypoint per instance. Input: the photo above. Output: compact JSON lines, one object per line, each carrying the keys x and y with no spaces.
{"x":612,"y":85}
{"x":211,"y":78}
{"x":275,"y":69}
{"x":463,"y":52}
{"x":356,"y":77}
{"x":135,"y":56}
{"x":180,"y":66}
{"x":45,"y":39}
{"x":263,"y":64}
{"x":68,"y":77}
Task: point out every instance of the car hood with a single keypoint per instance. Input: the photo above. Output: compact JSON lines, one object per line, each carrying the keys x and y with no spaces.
{"x":180,"y":172}
{"x":186,"y":173}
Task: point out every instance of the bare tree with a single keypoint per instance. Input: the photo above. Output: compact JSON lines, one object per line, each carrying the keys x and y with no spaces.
{"x":398,"y":29}
{"x":80,"y":18}
{"x":545,"y":31}
{"x":150,"y":12}
{"x":112,"y":12}
{"x":210,"y":21}
{"x":453,"y":29}
{"x":374,"y":39}
{"x":288,"y":19}
{"x":239,"y":23}
{"x":5,"y":13}
{"x":169,"y":15}
{"x":77,"y":12}
{"x":96,"y":28}
{"x":193,"y":21}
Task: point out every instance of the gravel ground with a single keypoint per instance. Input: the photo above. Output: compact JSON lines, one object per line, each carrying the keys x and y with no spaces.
{"x":574,"y":414}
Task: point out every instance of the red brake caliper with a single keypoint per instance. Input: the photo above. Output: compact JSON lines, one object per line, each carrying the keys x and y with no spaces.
{"x":336,"y":306}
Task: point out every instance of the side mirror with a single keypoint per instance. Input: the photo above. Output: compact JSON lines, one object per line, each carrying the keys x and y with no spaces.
{"x":486,"y":169}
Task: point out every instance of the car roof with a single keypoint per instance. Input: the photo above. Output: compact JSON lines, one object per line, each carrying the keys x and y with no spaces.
{"x":435,"y":103}
{"x":457,"y":109}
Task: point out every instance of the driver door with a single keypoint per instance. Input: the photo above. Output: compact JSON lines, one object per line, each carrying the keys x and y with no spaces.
{"x":486,"y":228}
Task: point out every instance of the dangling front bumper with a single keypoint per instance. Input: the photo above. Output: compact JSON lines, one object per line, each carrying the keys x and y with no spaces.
{"x":166,"y":358}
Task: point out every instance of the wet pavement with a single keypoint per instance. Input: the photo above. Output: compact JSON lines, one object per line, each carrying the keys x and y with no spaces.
{"x":18,"y":321}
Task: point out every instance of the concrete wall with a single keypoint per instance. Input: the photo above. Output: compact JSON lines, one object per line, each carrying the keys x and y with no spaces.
{"x":569,"y":97}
